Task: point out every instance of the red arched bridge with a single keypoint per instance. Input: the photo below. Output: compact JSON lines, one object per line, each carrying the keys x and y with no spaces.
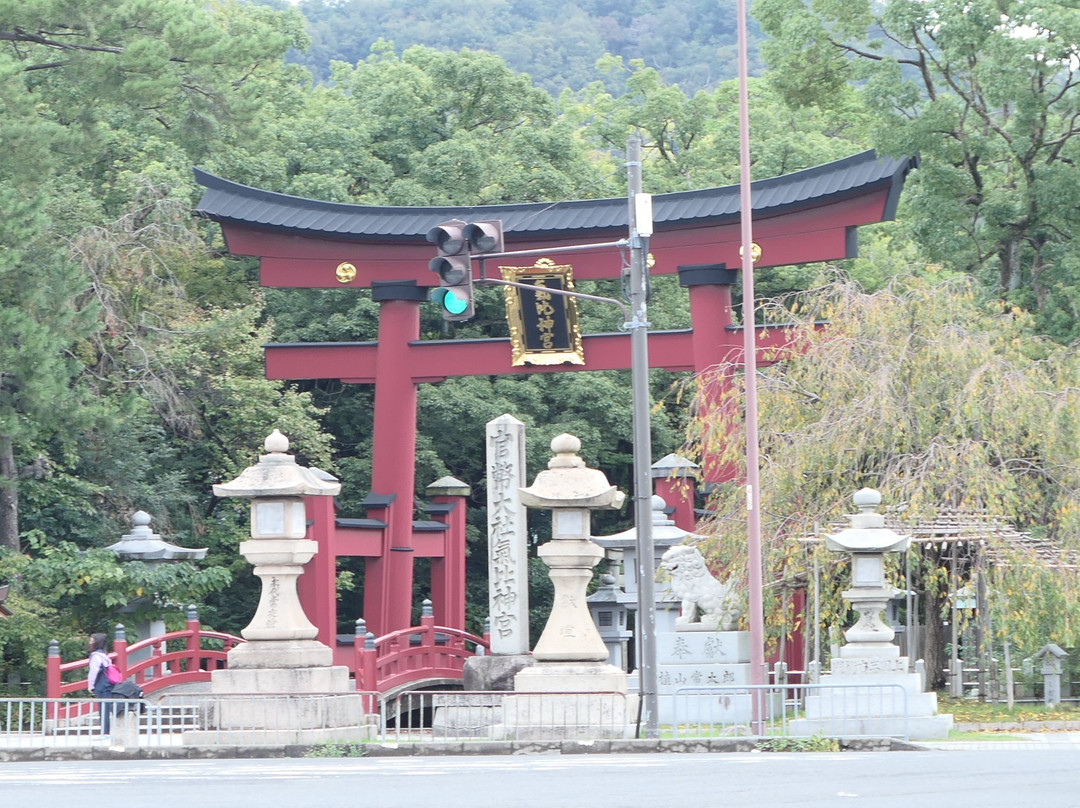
{"x":402,"y":660}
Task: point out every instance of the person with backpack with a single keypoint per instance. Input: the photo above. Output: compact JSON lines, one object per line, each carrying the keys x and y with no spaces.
{"x":97,"y":679}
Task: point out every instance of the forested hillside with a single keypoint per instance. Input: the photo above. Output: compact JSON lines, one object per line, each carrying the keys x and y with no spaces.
{"x":131,"y":372}
{"x":692,"y":43}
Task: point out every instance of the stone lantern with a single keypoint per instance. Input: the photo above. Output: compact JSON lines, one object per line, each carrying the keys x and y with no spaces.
{"x":570,"y":490}
{"x":571,"y":655}
{"x":282,"y":655}
{"x":870,"y":689}
{"x":867,"y":540}
{"x":143,"y":544}
{"x":280,"y":634}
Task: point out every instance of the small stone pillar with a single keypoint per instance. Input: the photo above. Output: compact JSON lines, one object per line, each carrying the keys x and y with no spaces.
{"x":1051,"y":656}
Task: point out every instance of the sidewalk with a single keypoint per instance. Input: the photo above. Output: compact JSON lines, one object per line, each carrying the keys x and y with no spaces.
{"x":100,"y":749}
{"x":1001,"y":737}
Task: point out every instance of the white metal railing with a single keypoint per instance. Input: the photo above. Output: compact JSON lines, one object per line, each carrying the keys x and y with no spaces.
{"x":777,"y":710}
{"x":27,"y":723}
{"x":421,"y":716}
{"x":790,"y":710}
{"x":193,"y":719}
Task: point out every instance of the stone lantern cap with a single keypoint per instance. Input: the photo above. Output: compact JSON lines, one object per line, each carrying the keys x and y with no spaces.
{"x":665,"y":532}
{"x":867,"y":533}
{"x":277,"y":474}
{"x":569,"y":483}
{"x":143,"y":544}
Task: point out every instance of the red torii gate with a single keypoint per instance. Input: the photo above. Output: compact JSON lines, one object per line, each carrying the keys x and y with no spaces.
{"x":804,"y":217}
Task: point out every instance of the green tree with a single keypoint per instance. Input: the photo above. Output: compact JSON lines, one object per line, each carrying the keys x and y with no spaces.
{"x":986,"y":92}
{"x":692,"y":142}
{"x":43,"y":314}
{"x":937,"y":398}
{"x":90,"y":97}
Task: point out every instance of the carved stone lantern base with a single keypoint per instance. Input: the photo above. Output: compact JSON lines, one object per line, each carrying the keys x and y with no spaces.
{"x":570,"y":634}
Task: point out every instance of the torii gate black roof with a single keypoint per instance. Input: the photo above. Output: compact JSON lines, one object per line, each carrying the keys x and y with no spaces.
{"x":226,"y":201}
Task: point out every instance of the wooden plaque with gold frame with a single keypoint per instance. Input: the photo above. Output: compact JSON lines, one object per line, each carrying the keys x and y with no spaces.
{"x":544,"y":327}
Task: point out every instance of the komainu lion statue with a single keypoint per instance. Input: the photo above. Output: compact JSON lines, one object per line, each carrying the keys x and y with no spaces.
{"x":705,"y":600}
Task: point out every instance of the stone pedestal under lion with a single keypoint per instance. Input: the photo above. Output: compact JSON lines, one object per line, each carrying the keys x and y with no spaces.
{"x":704,"y":652}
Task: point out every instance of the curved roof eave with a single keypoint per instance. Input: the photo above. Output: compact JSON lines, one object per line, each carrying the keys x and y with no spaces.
{"x":229,"y":202}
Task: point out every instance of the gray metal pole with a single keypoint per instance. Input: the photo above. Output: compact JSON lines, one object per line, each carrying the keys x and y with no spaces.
{"x":639,"y":385}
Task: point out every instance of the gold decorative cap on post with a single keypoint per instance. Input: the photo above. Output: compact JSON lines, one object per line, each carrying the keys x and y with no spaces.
{"x":277,"y":474}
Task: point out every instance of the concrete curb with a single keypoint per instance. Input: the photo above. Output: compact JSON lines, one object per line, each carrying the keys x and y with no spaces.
{"x":1019,"y":726}
{"x":462,"y":748}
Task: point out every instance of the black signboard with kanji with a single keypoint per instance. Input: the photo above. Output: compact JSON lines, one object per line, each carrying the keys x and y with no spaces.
{"x":543,"y":326}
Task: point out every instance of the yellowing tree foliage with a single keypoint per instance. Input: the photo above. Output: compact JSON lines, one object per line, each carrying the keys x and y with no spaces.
{"x":934,"y":396}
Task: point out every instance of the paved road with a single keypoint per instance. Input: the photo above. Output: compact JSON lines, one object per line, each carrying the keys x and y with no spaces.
{"x":928,"y":779}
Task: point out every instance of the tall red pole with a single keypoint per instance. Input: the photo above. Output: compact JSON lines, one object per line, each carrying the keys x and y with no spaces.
{"x":753,"y":510}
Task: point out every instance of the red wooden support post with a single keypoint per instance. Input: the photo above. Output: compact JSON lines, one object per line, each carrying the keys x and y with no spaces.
{"x":191,"y":662}
{"x":448,"y":497}
{"x":427,"y":622}
{"x":52,"y":671}
{"x":317,"y":586}
{"x":388,"y":582}
{"x":675,"y":484}
{"x":715,"y":347}
{"x":157,"y":669}
{"x":120,"y":648}
{"x":366,"y":673}
{"x":427,"y":653}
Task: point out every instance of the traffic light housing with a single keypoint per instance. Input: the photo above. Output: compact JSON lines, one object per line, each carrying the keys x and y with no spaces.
{"x":453,"y":265}
{"x":484,"y":237}
{"x":456,"y":241}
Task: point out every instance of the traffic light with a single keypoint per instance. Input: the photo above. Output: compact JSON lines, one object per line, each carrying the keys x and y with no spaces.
{"x":453,"y":265}
{"x":484,"y":237}
{"x":456,"y":241}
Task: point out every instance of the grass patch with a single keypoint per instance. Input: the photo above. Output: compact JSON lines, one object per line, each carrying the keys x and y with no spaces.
{"x":954,"y":735}
{"x":815,"y":743}
{"x":341,"y":749}
{"x":979,"y":712}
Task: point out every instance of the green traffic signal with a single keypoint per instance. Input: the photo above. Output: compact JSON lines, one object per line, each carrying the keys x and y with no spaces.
{"x":450,"y":301}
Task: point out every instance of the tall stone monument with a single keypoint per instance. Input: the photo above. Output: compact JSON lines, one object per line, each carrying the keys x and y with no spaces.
{"x":508,"y":561}
{"x":869,"y":689}
{"x":508,"y":598}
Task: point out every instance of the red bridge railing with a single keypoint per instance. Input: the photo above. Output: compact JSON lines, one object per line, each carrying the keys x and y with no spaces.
{"x":413,"y":654}
{"x":174,"y":658}
{"x":388,"y":663}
